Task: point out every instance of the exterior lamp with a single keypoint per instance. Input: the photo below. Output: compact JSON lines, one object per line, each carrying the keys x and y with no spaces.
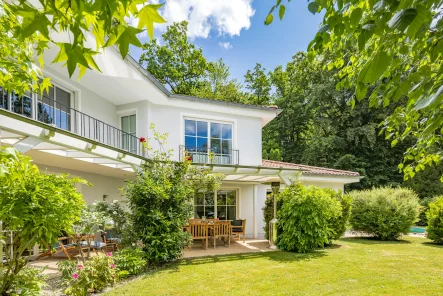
{"x":275,"y":186}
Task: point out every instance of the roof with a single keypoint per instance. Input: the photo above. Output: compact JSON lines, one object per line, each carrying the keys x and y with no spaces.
{"x":307,"y":169}
{"x":162,"y":88}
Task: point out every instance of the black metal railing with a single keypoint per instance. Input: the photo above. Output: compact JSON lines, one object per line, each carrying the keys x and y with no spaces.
{"x":210,"y":155}
{"x":49,"y":111}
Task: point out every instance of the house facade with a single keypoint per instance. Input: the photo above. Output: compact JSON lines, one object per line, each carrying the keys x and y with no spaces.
{"x":92,"y":127}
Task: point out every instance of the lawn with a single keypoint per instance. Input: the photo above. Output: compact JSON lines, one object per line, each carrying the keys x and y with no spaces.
{"x":353,"y":266}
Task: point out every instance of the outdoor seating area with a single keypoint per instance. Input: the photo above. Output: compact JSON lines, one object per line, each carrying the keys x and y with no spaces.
{"x":209,"y":231}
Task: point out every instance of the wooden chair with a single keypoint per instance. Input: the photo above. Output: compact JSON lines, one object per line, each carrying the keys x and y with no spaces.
{"x":239,"y":227}
{"x":195,"y":220}
{"x":199,"y":231}
{"x":57,"y":248}
{"x":222,"y":230}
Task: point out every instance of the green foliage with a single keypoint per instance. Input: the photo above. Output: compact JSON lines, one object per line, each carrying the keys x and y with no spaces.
{"x":130,"y":261}
{"x":160,"y":202}
{"x":35,"y":206}
{"x":389,"y":51}
{"x":305,"y":217}
{"x":268,"y":211}
{"x":90,"y":277}
{"x":386,"y":213}
{"x":29,"y":281}
{"x":26,"y":32}
{"x":182,"y":68}
{"x":424,"y":207}
{"x":116,"y":212}
{"x":435,"y":220}
{"x":338,"y":224}
{"x":259,"y":85}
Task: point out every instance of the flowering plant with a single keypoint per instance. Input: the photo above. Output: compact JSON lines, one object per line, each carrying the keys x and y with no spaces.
{"x":142,"y":140}
{"x":90,"y":277}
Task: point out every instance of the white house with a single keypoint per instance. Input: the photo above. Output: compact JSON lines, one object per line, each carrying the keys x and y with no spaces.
{"x":91,"y":129}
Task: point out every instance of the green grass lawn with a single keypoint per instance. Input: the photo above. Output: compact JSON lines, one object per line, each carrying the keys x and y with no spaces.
{"x":353,"y":266}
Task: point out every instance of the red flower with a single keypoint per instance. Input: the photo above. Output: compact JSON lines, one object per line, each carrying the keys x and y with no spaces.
{"x":189,"y":158}
{"x":142,"y":140}
{"x":75,"y":276}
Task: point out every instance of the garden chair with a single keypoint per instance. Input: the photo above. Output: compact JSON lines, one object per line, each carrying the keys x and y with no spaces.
{"x":61,"y":246}
{"x":239,"y":227}
{"x":111,"y":239}
{"x":222,"y":230}
{"x":199,"y":231}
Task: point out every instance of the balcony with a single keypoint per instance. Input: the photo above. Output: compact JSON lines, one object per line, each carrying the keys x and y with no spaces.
{"x":56,"y":114}
{"x":209,"y":155}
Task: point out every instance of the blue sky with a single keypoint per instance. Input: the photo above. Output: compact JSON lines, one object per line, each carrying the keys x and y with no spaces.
{"x":269,"y":45}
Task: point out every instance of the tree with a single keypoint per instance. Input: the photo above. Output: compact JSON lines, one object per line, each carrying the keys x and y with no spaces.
{"x":35,"y":207}
{"x":395,"y":52}
{"x":259,"y":85}
{"x":27,"y":30}
{"x":183,"y":69}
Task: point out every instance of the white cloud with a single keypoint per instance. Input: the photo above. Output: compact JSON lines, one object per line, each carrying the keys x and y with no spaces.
{"x":227,"y":17}
{"x":225,"y":45}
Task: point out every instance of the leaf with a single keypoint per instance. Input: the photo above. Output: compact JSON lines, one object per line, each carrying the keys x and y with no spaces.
{"x":438,"y":49}
{"x":423,"y":16}
{"x":149,"y":15}
{"x":313,"y":7}
{"x":323,"y":28}
{"x":393,"y":143}
{"x":402,"y":19}
{"x":281,"y":12}
{"x":365,"y":34}
{"x":128,"y":36}
{"x":356,"y":16}
{"x":375,"y":67}
{"x":269,"y":19}
{"x":360,"y":91}
{"x":426,"y":101}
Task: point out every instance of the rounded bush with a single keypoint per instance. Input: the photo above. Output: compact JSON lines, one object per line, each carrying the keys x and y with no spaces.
{"x":338,"y":224}
{"x":305,"y":217}
{"x":435,"y":220}
{"x":385,"y":213}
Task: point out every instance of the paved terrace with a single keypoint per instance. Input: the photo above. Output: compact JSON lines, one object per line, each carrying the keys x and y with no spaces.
{"x":237,"y":247}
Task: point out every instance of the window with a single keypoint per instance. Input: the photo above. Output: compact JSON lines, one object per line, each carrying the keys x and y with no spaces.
{"x":129,"y":128}
{"x":54,"y":107}
{"x":227,"y":204}
{"x":22,"y":104}
{"x":202,"y":137}
{"x":224,"y":207}
{"x":4,"y":99}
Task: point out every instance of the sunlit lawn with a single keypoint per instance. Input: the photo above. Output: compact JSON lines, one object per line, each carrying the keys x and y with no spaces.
{"x":353,"y":266}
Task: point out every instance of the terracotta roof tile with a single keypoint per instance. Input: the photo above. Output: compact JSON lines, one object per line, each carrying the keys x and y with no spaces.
{"x":307,"y":169}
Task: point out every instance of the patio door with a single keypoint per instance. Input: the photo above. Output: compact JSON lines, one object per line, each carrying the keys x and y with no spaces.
{"x":223,"y":205}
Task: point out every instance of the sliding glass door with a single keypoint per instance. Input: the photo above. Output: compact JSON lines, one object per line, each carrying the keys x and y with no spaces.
{"x":223,"y":207}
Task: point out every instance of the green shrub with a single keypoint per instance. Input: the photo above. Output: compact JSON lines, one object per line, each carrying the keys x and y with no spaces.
{"x":386,"y":213}
{"x":129,"y":262}
{"x":29,"y":281}
{"x":435,"y":220}
{"x":338,"y":224}
{"x":93,"y":276}
{"x":424,"y":207}
{"x":305,"y":217}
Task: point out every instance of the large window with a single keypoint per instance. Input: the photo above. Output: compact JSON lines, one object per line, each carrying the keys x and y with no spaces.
{"x":223,"y":208}
{"x":129,"y":137}
{"x":54,"y":107}
{"x":202,"y":137}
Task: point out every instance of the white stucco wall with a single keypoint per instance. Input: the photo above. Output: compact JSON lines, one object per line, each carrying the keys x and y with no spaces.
{"x":140,"y":109}
{"x":101,"y":185}
{"x":246,"y":134}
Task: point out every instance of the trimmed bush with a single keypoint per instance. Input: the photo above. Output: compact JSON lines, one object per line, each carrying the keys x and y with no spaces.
{"x":338,"y":224}
{"x":424,"y":207}
{"x":435,"y":220}
{"x":386,"y":213}
{"x":305,"y":217}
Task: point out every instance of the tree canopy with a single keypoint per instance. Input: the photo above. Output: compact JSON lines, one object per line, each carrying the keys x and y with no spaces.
{"x":386,"y":51}
{"x":27,"y":30}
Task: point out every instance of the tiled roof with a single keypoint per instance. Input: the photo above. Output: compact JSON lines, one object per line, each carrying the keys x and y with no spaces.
{"x":307,"y":169}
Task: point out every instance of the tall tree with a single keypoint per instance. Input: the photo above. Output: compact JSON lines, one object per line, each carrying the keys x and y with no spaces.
{"x":259,"y":85}
{"x":183,"y":69}
{"x":397,"y":50}
{"x":26,"y":30}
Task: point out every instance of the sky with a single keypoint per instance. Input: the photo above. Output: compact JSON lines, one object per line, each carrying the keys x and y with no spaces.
{"x":234,"y":30}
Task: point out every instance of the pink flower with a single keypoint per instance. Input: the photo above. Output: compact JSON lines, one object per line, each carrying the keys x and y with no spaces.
{"x":113,"y":266}
{"x":80,"y":266}
{"x":142,"y":140}
{"x":108,"y":254}
{"x":75,"y":276}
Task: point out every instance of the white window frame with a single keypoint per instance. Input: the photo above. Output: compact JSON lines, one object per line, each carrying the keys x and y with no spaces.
{"x":237,"y":201}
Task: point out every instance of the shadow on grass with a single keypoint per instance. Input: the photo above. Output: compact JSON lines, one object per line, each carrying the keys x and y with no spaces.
{"x":431,"y":244}
{"x":372,"y":241}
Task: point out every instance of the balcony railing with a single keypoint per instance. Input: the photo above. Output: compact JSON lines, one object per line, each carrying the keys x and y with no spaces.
{"x":49,"y":111}
{"x":210,"y":155}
